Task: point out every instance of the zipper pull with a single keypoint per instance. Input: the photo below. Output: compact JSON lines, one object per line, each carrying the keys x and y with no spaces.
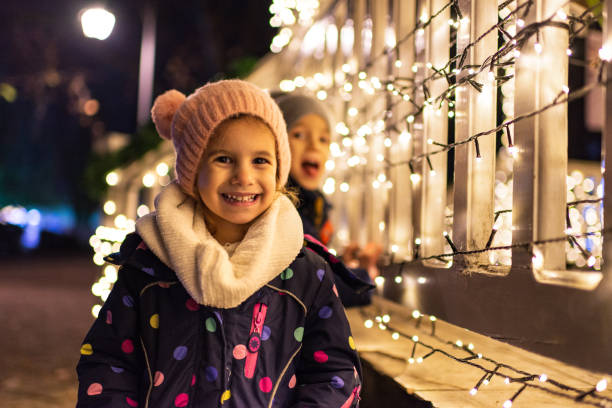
{"x":254,"y":342}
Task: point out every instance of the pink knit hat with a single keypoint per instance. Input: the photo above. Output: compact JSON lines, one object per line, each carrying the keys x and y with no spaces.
{"x":190,"y":121}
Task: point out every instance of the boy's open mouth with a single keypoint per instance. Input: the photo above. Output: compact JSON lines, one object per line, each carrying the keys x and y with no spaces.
{"x":311,"y":168}
{"x":240,"y":198}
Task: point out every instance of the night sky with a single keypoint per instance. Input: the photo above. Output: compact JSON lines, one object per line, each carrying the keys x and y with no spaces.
{"x":48,"y":69}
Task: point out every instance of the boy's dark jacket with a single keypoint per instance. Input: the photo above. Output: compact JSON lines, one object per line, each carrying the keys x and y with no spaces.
{"x":154,"y":346}
{"x":314,"y":213}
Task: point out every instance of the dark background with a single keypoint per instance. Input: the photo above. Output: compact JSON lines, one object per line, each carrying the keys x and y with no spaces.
{"x":51,"y":68}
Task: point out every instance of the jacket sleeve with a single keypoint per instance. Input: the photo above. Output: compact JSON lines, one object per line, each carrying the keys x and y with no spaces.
{"x":112,"y":364}
{"x":328,"y":372}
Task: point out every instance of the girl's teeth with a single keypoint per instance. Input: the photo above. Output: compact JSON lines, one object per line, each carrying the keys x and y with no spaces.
{"x":241,"y":198}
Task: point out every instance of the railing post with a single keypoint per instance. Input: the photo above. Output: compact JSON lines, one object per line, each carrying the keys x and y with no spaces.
{"x":475,"y":112}
{"x":400,"y":200}
{"x":435,"y":127}
{"x":540,"y":170}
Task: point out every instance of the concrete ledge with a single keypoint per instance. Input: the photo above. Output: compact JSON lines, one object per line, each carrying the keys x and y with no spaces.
{"x":446,"y":382}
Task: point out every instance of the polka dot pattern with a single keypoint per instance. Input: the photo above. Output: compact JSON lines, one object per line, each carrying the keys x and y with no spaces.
{"x":128,"y":301}
{"x":351,"y":342}
{"x":127,"y":346}
{"x":292,"y":381}
{"x":94,"y":389}
{"x":325,"y":312}
{"x":86,"y":349}
{"x":337,"y":382}
{"x":176,"y":351}
{"x":211,"y":325}
{"x":191,"y":305}
{"x":154,"y":321}
{"x":298,"y":333}
{"x":158,"y":379}
{"x":225,"y":396}
{"x":265,"y":333}
{"x":211,"y":373}
{"x":180,"y":353}
{"x":286,"y":274}
{"x":240,"y":352}
{"x":265,"y":384}
{"x":181,"y":400}
{"x":320,"y":356}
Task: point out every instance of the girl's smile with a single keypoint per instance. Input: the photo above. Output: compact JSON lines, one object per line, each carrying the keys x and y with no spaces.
{"x":241,"y":199}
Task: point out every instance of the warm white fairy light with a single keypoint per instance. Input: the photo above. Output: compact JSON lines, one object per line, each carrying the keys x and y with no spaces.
{"x":379,"y":281}
{"x":605,"y":53}
{"x":142,"y":210}
{"x":112,"y":178}
{"x":368,"y":324}
{"x":286,"y":85}
{"x":109,"y":207}
{"x":342,"y":129}
{"x":601,"y":385}
{"x":162,"y":169}
{"x":329,"y":186}
{"x":537,"y":47}
{"x":398,"y":279}
{"x":322,"y":94}
{"x":148,"y":180}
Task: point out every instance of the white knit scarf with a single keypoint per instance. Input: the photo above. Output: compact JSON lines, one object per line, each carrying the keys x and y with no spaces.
{"x":176,"y":232}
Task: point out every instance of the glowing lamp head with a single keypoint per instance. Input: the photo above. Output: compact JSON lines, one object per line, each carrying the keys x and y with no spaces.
{"x":97,"y":23}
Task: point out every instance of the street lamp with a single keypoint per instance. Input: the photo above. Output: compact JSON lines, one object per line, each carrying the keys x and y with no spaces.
{"x":97,"y":23}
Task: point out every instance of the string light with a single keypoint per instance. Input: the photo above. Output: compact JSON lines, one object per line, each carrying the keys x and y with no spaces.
{"x":476,"y":360}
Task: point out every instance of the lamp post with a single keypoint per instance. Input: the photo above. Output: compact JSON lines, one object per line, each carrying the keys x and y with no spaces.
{"x":99,"y":23}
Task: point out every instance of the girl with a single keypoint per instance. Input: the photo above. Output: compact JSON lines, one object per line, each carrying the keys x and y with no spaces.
{"x":308,"y":128}
{"x":217,"y":301}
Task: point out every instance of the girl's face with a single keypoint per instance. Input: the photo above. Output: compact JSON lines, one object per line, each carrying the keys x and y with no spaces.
{"x":309,"y":141}
{"x":237,"y":176}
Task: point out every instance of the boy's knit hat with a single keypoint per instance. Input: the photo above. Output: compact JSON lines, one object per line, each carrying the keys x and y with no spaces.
{"x":295,"y":106}
{"x":190,"y":121}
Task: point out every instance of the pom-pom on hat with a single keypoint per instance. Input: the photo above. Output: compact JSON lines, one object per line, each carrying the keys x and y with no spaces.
{"x":190,"y":121}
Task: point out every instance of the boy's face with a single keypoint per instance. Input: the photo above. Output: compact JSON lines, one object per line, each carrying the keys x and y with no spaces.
{"x":309,"y":141}
{"x":237,"y":175}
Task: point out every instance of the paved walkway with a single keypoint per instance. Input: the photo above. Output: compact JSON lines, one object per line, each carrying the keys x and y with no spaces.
{"x":45,"y":308}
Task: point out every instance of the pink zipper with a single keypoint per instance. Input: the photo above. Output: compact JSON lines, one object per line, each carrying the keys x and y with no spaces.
{"x":259,"y":315}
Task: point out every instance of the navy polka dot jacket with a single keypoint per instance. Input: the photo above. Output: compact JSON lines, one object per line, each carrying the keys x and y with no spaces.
{"x":288,"y":345}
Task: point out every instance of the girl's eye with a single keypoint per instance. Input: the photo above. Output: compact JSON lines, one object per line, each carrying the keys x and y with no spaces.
{"x":298,"y":135}
{"x":324,"y":140}
{"x":222,"y":159}
{"x":261,"y":160}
